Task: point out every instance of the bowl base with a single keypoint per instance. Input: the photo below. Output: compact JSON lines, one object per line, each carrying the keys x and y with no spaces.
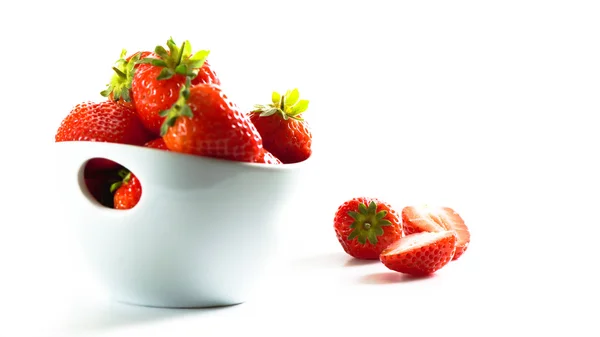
{"x":191,"y":306}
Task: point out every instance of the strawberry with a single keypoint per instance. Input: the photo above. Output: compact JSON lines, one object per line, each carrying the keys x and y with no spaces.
{"x":206,"y":75}
{"x":102,"y":122}
{"x":159,"y":78}
{"x":365,"y":226}
{"x":420,"y":254}
{"x":119,"y":87}
{"x":98,"y":180}
{"x":284,"y":131}
{"x":128,"y":191}
{"x":418,"y":219}
{"x":267,"y":157}
{"x":157,"y":143}
{"x":205,"y":122}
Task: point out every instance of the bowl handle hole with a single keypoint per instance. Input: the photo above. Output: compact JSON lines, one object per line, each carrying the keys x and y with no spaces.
{"x":106,"y":181}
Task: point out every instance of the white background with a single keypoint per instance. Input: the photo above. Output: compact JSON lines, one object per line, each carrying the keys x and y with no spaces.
{"x":487,"y":107}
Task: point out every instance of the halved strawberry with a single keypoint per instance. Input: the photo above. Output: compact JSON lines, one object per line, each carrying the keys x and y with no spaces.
{"x":416,"y":219}
{"x":420,"y":254}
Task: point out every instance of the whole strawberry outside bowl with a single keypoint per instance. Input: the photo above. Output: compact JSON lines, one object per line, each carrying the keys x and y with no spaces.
{"x":202,"y":234}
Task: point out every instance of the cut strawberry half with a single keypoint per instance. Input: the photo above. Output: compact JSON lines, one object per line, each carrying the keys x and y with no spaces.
{"x":416,"y":219}
{"x":420,"y":254}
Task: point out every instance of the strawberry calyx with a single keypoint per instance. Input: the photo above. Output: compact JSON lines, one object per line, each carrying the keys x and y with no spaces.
{"x":368,"y":223}
{"x":287,"y":106}
{"x":120,"y":83}
{"x":178,"y":109}
{"x":125,"y":176}
{"x":177,"y":60}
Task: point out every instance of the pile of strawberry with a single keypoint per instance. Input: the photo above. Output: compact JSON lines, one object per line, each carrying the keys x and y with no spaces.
{"x":171,"y":99}
{"x":419,"y":241}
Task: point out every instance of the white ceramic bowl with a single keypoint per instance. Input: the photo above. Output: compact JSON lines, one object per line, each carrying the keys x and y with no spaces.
{"x":201,"y":235}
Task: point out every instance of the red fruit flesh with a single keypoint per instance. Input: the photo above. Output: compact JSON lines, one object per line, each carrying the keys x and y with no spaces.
{"x":353,"y":225}
{"x":418,"y":219}
{"x":420,"y":254}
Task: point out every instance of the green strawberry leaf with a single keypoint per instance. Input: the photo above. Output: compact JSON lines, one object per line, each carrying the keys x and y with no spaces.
{"x":275,"y":98}
{"x":300,"y":107}
{"x":120,"y":83}
{"x":125,"y":176}
{"x":286,"y":106}
{"x":181,"y":69}
{"x":178,"y":60}
{"x":368,"y":224}
{"x":162,"y":52}
{"x":372,"y":237}
{"x":292,"y":97}
{"x":179,"y":109}
{"x":363,"y":209}
{"x":165,"y":74}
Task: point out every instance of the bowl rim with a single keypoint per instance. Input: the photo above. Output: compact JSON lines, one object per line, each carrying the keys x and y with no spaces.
{"x":215,"y":160}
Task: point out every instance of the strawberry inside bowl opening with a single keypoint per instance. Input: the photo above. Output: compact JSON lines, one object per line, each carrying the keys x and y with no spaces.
{"x":111,"y":184}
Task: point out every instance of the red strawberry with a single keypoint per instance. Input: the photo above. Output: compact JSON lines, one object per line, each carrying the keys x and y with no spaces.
{"x":98,"y":181}
{"x":420,"y":254}
{"x":127,"y":193}
{"x":102,"y":122}
{"x":158,"y":79}
{"x":284,"y":131}
{"x":267,"y":157}
{"x":417,"y":219}
{"x":205,"y":122}
{"x":157,"y":143}
{"x":365,"y":226}
{"x":206,"y":75}
{"x":119,"y":87}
